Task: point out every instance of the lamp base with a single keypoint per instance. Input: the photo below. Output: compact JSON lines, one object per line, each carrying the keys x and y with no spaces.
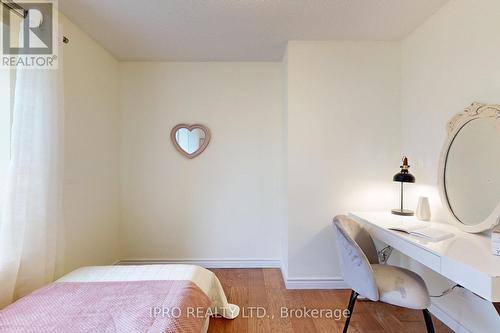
{"x":403,"y":212}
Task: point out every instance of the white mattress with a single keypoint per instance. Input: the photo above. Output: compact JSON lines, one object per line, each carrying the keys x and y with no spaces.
{"x":203,"y":278}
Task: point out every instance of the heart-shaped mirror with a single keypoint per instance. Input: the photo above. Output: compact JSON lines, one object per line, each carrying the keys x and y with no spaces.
{"x":190,"y":140}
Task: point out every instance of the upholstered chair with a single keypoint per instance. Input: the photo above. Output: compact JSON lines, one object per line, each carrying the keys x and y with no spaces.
{"x":368,"y":278}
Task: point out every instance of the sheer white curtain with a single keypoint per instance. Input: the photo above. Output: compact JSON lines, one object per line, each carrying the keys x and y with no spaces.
{"x":30,"y":225}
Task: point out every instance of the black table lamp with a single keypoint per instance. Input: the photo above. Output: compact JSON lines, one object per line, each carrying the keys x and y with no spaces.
{"x":404,"y":176}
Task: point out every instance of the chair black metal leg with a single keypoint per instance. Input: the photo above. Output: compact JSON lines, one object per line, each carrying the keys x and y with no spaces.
{"x":428,"y":321}
{"x":350,"y":307}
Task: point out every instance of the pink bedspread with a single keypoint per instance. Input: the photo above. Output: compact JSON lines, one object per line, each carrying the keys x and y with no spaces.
{"x":135,"y":306}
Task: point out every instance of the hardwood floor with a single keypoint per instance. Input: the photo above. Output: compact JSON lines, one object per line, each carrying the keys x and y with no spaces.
{"x":251,"y":288}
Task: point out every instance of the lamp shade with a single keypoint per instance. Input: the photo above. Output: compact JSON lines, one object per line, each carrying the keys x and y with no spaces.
{"x":404,"y":177}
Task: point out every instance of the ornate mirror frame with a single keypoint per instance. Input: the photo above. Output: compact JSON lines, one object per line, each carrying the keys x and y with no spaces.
{"x":190,"y":128}
{"x":475,"y":111}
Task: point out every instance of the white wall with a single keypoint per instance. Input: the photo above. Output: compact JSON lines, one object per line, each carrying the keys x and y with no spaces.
{"x":91,"y":210}
{"x":343,"y":123}
{"x":284,"y":170}
{"x":225,"y":203}
{"x":447,"y":63}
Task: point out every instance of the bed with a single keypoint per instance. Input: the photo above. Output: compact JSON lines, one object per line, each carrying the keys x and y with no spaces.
{"x":145,"y":298}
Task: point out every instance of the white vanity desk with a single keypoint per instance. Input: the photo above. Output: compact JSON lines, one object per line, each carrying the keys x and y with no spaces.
{"x":464,"y":258}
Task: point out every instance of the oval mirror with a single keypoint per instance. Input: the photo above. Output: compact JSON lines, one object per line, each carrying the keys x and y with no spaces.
{"x":470,"y":168}
{"x":190,"y":140}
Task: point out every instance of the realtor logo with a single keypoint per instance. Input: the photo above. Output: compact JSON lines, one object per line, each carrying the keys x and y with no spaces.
{"x":29,"y":34}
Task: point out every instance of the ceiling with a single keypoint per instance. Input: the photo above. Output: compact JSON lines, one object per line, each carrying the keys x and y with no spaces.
{"x":238,"y":30}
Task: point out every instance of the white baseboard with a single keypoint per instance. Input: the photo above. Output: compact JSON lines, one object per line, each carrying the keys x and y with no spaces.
{"x":313,"y":283}
{"x":208,"y":263}
{"x":454,"y":325}
{"x":316,"y":283}
{"x":290,"y":283}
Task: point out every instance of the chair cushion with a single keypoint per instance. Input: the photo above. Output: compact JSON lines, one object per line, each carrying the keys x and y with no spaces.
{"x":401,"y":287}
